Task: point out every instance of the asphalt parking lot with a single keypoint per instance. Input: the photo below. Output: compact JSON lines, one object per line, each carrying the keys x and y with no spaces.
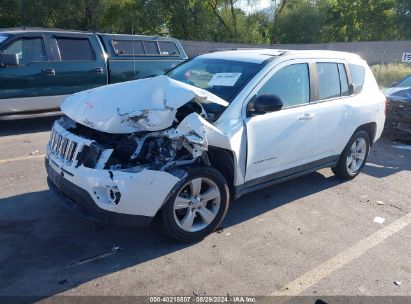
{"x":314,"y":236}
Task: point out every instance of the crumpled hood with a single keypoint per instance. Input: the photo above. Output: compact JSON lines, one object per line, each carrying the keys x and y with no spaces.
{"x":140,"y":105}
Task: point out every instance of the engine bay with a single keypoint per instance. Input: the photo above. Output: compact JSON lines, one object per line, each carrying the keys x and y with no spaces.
{"x":158,"y":150}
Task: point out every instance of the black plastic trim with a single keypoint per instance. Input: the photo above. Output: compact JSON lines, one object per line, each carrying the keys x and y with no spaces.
{"x":285,"y":175}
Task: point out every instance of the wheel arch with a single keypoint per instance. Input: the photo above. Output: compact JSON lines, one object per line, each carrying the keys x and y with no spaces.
{"x":370,"y":128}
{"x":223,"y":160}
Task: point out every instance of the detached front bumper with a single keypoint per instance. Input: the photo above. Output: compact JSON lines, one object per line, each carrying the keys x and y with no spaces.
{"x":110,"y":196}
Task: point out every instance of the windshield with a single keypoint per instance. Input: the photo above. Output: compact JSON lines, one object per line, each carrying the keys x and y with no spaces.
{"x":405,"y":83}
{"x":224,"y":78}
{"x":3,"y":38}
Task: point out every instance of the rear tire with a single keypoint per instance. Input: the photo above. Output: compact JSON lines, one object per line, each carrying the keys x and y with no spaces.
{"x":354,"y":157}
{"x":197,"y":206}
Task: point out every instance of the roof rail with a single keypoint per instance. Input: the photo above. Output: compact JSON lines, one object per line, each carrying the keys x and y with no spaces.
{"x":244,"y":49}
{"x":33,"y":28}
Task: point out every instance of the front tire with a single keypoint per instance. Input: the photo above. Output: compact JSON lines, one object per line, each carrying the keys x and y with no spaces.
{"x":354,"y":156}
{"x":197,"y":206}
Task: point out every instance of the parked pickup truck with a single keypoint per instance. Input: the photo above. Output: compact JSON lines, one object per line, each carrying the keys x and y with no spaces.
{"x":40,"y":67}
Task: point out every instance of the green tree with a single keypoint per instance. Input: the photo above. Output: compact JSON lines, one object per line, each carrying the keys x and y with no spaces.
{"x":8,"y":13}
{"x":403,"y":10}
{"x":361,"y":20}
{"x":300,"y":22}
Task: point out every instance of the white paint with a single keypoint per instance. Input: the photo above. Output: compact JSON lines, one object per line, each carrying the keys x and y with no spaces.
{"x":212,"y":135}
{"x":141,"y":105}
{"x":251,"y":55}
{"x":142,"y":193}
{"x":379,"y":220}
{"x":347,"y":256}
{"x":406,"y":57}
{"x":261,"y":145}
{"x":224,"y":79}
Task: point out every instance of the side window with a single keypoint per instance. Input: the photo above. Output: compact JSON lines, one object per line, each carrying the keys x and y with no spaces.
{"x":28,"y":50}
{"x":328,"y":80}
{"x":168,"y":48}
{"x":72,"y":49}
{"x":343,"y":80}
{"x":128,"y":47}
{"x":151,"y":48}
{"x":291,"y":84}
{"x":357,"y":75}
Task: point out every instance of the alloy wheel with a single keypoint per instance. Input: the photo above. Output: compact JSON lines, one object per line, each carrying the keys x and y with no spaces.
{"x":356,"y":155}
{"x":197,"y":204}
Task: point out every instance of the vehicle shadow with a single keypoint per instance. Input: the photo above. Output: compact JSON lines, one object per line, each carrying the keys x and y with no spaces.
{"x":45,"y":250}
{"x":388,"y":158}
{"x":25,"y":126}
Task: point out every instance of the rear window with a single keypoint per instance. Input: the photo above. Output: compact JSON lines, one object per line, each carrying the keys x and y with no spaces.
{"x":329,"y":80}
{"x":168,"y":48}
{"x":357,"y":76}
{"x":72,"y":49}
{"x":128,"y":47}
{"x":144,"y":48}
{"x":151,"y":48}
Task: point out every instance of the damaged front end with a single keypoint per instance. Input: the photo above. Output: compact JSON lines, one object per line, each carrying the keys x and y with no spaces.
{"x":124,"y":156}
{"x":160,"y":150}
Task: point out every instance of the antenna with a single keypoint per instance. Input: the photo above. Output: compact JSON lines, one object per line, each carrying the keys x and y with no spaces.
{"x":134,"y":52}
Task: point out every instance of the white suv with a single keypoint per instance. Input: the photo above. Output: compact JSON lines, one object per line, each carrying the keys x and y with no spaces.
{"x":182,"y":145}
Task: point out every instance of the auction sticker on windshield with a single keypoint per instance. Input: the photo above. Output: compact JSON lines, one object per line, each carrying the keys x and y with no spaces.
{"x":224,"y":79}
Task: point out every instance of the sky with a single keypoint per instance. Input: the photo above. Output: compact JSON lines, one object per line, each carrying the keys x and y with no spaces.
{"x":250,"y":8}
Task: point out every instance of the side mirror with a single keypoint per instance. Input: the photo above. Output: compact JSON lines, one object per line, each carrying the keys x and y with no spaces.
{"x":264,"y":104}
{"x":351,"y":89}
{"x":9,"y":59}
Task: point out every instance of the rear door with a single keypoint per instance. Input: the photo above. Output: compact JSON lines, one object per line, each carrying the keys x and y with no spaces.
{"x":22,"y":87}
{"x":333,"y":109}
{"x":79,"y":62}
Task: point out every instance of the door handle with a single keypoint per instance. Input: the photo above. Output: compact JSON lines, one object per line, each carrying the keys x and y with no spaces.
{"x":49,"y":72}
{"x":306,"y":116}
{"x":98,"y":70}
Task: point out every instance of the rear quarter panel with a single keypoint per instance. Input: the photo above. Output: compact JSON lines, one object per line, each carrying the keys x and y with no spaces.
{"x":369,"y":104}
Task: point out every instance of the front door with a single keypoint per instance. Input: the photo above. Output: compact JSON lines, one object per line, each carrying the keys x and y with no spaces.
{"x":284,"y":139}
{"x":22,"y":87}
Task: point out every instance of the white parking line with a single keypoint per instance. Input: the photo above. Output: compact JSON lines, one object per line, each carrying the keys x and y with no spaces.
{"x":3,"y":161}
{"x":325,"y":269}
